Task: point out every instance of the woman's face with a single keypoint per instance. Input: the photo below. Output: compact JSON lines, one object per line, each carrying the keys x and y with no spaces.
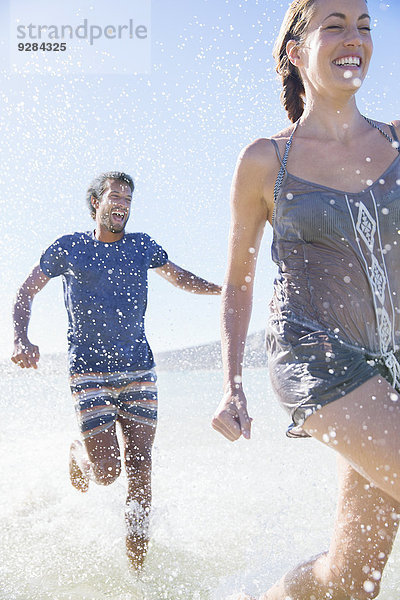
{"x":337,"y":49}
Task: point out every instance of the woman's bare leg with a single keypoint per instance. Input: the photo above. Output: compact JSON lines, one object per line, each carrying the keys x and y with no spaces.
{"x":364,"y":428}
{"x":365,"y":528}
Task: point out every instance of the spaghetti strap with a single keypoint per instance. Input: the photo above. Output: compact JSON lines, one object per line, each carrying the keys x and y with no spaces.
{"x":394,"y":132}
{"x":283,"y":161}
{"x":395,"y":141}
{"x":277,"y":150}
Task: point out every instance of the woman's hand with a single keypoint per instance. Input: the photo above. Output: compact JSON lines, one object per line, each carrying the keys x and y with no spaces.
{"x":231,"y":417}
{"x":251,"y":206}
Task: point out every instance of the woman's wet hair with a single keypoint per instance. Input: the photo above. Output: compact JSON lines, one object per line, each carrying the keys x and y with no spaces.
{"x":99,"y":184}
{"x":294,"y":26}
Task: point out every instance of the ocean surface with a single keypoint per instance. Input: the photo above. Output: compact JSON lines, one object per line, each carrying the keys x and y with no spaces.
{"x":226,"y":517}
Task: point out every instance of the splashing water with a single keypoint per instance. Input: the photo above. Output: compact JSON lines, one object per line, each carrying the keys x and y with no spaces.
{"x":225,"y":516}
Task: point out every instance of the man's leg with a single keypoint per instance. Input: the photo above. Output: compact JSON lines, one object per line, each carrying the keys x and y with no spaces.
{"x":79,"y":466}
{"x":138,"y":442}
{"x":97,"y":459}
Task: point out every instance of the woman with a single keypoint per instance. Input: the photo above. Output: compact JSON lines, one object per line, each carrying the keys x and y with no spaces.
{"x":330,"y":187}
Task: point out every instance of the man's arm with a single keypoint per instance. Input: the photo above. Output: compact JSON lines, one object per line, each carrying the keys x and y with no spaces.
{"x":186,"y":280}
{"x":26,"y":354}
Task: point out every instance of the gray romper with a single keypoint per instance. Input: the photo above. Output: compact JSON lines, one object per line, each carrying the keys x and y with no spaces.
{"x":335,"y":311}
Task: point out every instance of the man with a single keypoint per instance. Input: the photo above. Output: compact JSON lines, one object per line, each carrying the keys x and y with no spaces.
{"x":111,"y":364}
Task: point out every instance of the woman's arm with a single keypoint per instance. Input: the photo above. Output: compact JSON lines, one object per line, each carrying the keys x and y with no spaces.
{"x":250,"y":209}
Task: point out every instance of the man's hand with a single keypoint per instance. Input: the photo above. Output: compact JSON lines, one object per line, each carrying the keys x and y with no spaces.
{"x":25,"y":354}
{"x":231,"y":418}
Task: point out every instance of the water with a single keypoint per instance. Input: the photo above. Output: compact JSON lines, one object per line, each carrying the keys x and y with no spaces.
{"x":226,"y":516}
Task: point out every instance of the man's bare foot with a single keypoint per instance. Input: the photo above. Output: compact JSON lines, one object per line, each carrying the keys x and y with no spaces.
{"x":79,"y":480}
{"x":136,"y":550}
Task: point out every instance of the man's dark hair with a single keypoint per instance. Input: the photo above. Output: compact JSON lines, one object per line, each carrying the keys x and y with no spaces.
{"x":99,"y":184}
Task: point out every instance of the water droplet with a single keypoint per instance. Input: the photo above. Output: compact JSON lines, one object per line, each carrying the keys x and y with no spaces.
{"x":346,"y":279}
{"x":369,"y":586}
{"x":366,"y":568}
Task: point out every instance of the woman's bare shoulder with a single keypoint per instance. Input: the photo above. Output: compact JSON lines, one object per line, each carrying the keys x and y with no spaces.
{"x":261,"y":154}
{"x":257,"y":168}
{"x":257,"y":151}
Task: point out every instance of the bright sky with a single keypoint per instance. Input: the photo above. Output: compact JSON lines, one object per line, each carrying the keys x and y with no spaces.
{"x":177,"y":130}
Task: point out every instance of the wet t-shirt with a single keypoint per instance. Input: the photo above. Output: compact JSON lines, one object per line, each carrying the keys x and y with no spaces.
{"x":105,"y":294}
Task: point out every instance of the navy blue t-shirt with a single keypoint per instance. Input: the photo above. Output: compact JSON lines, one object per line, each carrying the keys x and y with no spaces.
{"x":105,"y":294}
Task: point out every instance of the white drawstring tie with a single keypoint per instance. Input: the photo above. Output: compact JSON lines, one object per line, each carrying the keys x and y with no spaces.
{"x":390,"y":360}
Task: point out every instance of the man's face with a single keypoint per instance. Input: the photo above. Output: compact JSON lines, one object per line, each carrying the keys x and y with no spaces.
{"x":113,"y":208}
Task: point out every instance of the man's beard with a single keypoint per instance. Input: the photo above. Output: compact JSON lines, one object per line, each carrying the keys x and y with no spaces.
{"x":113,"y":227}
